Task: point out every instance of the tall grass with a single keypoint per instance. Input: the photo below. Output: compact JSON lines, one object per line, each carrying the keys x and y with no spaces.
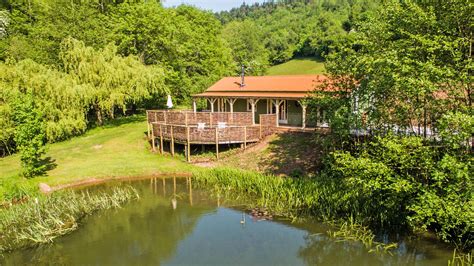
{"x":461,"y":259}
{"x":352,"y":231}
{"x":292,"y":198}
{"x":283,"y":195}
{"x":42,"y":219}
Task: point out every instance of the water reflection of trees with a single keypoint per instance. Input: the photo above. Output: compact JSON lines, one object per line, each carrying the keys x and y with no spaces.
{"x":144,"y":232}
{"x":323,"y":250}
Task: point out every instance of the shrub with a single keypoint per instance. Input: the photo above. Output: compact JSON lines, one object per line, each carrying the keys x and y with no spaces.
{"x":29,"y":136}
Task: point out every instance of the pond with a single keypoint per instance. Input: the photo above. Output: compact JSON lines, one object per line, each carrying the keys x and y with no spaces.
{"x":171,"y":224}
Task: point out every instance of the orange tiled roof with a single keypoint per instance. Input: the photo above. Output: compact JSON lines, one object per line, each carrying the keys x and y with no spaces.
{"x":293,"y":87}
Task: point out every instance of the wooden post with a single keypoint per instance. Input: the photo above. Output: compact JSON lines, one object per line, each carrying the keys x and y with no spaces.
{"x":277,"y":111}
{"x":217,"y":143}
{"x":303,"y":108}
{"x":260,"y":128}
{"x":148,"y":130}
{"x":253,"y":103}
{"x":210,"y":119}
{"x":245,"y":137}
{"x":156,"y":116}
{"x":212,"y":101}
{"x":153,"y":139}
{"x":188,"y":145}
{"x":172,"y":142}
{"x":161,"y":140}
{"x":148,"y":123}
{"x":231,"y":104}
{"x":194,"y":105}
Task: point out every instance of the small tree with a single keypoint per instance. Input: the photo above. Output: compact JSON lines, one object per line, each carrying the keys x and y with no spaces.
{"x":30,"y":135}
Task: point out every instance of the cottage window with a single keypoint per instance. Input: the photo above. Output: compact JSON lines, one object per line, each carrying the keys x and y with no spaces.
{"x":249,"y":106}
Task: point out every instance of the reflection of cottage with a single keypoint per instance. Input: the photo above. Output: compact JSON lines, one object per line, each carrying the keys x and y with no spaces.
{"x":280,"y":95}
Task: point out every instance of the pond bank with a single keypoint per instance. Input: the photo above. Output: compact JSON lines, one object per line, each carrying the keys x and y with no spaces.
{"x":46,"y":189}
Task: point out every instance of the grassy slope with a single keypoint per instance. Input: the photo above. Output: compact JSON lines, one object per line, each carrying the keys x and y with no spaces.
{"x":119,"y":149}
{"x":298,"y":66}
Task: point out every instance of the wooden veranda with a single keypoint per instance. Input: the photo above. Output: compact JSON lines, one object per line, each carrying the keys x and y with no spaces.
{"x":215,"y":128}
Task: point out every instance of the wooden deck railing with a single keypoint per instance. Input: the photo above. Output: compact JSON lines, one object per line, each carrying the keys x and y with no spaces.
{"x":206,"y":128}
{"x":191,"y":118}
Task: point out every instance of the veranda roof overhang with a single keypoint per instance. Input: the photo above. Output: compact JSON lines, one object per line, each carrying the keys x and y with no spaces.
{"x":253,"y":95}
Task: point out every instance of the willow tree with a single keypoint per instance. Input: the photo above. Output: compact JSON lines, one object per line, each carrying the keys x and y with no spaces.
{"x":111,"y":82}
{"x":56,"y":96}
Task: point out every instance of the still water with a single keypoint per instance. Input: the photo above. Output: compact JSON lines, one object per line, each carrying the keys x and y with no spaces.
{"x":171,"y":224}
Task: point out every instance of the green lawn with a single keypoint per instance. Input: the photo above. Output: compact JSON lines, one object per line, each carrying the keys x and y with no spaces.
{"x":297,"y":66}
{"x":116,"y":150}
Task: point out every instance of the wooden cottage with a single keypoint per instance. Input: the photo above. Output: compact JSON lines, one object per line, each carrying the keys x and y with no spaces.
{"x":240,"y":110}
{"x":280,"y":95}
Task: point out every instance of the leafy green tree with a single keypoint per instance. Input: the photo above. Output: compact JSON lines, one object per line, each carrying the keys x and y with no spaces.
{"x":244,"y":38}
{"x":37,"y":28}
{"x":58,"y":97}
{"x":8,"y":128}
{"x":110,"y":81}
{"x":29,"y":135}
{"x":457,"y":130}
{"x":410,"y":64}
{"x":399,"y":182}
{"x":186,"y":41}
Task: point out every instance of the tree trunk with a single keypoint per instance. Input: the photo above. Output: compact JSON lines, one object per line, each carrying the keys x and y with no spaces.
{"x":98,"y":113}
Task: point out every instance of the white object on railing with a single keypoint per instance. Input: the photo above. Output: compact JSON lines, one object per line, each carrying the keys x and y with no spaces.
{"x":221,"y":125}
{"x":201,"y":125}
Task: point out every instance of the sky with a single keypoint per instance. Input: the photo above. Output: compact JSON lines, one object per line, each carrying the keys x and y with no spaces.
{"x":214,"y":5}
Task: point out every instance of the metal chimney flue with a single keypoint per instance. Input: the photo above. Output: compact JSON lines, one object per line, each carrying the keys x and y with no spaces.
{"x":242,"y":75}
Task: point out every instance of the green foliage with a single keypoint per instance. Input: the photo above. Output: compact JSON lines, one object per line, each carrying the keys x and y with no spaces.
{"x":110,"y":81}
{"x":456,"y":129}
{"x":29,"y":135}
{"x":461,"y":259}
{"x":401,"y":182}
{"x":244,"y":38}
{"x":97,"y":80}
{"x":42,"y":219}
{"x":60,"y":100}
{"x":304,"y":28}
{"x":409,"y":64}
{"x":16,"y":189}
{"x":8,"y":128}
{"x":37,"y":28}
{"x":352,"y":231}
{"x":405,"y":70}
{"x":185,"y":41}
